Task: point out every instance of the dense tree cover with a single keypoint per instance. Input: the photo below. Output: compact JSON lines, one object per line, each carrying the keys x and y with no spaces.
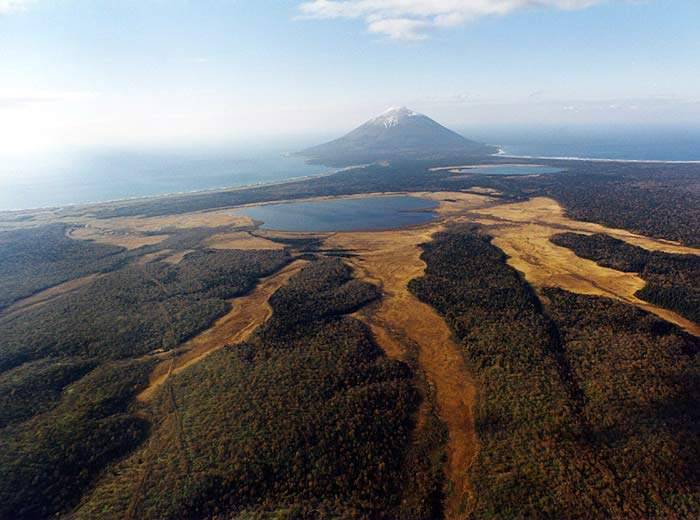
{"x":399,"y":176}
{"x":135,"y":310}
{"x":584,"y":406}
{"x":36,"y":387}
{"x":640,"y":383}
{"x":656,"y":199}
{"x":673,"y":281}
{"x":64,"y":394}
{"x":305,"y":420}
{"x":333,"y":291}
{"x":49,"y":460}
{"x":37,"y":258}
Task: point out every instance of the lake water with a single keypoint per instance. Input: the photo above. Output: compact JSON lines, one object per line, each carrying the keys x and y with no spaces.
{"x":344,"y":214}
{"x":511,"y":169}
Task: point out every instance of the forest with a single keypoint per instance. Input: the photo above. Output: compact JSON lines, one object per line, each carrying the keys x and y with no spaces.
{"x":135,"y":310}
{"x":585,"y":404}
{"x":654,"y":199}
{"x":307,"y":419}
{"x":657,"y":199}
{"x":70,"y":368}
{"x":47,"y":461}
{"x":672,"y":279}
{"x":36,"y":258}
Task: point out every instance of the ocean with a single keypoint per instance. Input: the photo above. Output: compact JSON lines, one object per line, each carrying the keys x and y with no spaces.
{"x":628,"y":144}
{"x":80,"y":178}
{"x":99,"y":176}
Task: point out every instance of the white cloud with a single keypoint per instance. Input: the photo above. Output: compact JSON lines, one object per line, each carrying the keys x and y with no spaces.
{"x":412,"y":19}
{"x":398,"y":28}
{"x":9,"y":6}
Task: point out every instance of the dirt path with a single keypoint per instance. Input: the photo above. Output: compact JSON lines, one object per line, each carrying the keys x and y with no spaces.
{"x":523,"y":232}
{"x":48,"y":295}
{"x":246,"y":314}
{"x":391,"y":259}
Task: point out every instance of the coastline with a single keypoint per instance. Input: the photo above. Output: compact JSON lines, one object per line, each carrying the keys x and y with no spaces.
{"x":502,"y":153}
{"x":80,"y":205}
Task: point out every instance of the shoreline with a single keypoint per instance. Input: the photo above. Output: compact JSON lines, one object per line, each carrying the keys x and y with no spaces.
{"x":502,"y":153}
{"x":138,"y":198}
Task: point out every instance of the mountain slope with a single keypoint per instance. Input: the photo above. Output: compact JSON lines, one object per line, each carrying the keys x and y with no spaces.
{"x":395,"y":134}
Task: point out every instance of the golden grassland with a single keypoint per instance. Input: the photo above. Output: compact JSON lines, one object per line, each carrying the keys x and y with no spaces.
{"x":169,"y":256}
{"x":523,"y":231}
{"x":399,"y":322}
{"x":391,"y":259}
{"x":135,"y":232}
{"x":246,"y":314}
{"x":240,"y":240}
{"x":47,"y":295}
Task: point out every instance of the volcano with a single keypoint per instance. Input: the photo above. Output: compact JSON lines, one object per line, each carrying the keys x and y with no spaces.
{"x":398,"y":133}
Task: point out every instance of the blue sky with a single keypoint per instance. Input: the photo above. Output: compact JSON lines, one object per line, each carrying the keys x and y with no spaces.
{"x":142,"y":72}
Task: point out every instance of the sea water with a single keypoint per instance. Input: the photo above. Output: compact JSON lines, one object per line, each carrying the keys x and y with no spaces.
{"x":105,"y":176}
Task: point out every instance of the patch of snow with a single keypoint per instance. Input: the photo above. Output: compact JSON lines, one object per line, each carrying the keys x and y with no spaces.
{"x":393,"y":116}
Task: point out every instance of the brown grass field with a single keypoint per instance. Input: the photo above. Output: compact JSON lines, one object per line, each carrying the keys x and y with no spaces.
{"x":42,"y":297}
{"x":401,"y":324}
{"x":122,"y":237}
{"x":240,"y":240}
{"x":523,"y":230}
{"x":246,"y":314}
{"x":391,"y":259}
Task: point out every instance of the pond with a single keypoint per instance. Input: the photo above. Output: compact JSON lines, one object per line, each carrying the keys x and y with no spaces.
{"x":351,"y":214}
{"x":510,"y":169}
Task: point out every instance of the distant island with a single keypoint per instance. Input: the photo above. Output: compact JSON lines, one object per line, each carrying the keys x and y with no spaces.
{"x":398,"y":133}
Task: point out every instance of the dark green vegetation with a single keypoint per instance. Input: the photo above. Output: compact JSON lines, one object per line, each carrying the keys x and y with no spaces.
{"x":36,"y":387}
{"x":70,"y":368}
{"x":34,"y":259}
{"x":307,"y":419}
{"x":135,"y":310}
{"x":673,"y":281}
{"x":587,"y":407}
{"x":659,"y":200}
{"x":47,"y":461}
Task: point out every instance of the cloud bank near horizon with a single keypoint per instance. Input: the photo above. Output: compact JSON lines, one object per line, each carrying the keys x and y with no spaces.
{"x":414,"y":19}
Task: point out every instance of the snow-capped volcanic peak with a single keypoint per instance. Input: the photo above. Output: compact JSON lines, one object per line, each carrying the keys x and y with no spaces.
{"x":397,"y":133}
{"x":393,"y":117}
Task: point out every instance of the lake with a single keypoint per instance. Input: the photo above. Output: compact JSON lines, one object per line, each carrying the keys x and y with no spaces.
{"x":367,"y":213}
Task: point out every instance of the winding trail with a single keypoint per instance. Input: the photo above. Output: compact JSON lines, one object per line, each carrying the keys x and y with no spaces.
{"x":246,"y":314}
{"x":391,"y":259}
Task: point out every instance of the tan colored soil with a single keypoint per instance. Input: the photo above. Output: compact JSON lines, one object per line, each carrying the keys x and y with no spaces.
{"x":391,"y":259}
{"x":453,"y":203}
{"x":246,"y":314}
{"x":49,"y":294}
{"x":240,"y":240}
{"x":117,"y":237}
{"x":523,"y":232}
